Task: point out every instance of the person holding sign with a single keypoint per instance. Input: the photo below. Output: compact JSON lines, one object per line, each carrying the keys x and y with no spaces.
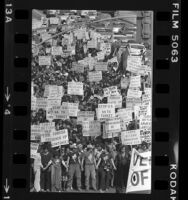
{"x":122,"y":164}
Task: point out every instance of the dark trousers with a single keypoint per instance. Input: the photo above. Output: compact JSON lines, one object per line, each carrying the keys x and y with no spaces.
{"x":45,"y":179}
{"x":104,"y":179}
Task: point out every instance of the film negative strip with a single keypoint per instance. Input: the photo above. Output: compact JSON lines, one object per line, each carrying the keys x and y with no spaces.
{"x":91,"y":100}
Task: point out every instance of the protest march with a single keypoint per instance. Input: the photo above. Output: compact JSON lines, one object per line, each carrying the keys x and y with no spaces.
{"x":91,"y":107}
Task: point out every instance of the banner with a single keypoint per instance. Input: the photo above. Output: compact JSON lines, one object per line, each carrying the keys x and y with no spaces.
{"x":131,"y":137}
{"x":75,"y":88}
{"x":112,"y":125}
{"x":101,"y":66}
{"x":95,"y":76}
{"x":85,"y":116}
{"x":33,"y":149}
{"x":44,"y":60}
{"x":134,"y":93}
{"x":56,"y":50}
{"x":139,"y":178}
{"x":105,"y":111}
{"x":135,"y":82}
{"x":116,"y":100}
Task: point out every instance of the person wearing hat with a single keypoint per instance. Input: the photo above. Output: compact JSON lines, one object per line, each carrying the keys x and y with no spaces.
{"x":90,"y":166}
{"x":74,"y":168}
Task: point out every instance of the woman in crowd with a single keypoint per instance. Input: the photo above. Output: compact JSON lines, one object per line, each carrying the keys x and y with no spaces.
{"x":122,"y":164}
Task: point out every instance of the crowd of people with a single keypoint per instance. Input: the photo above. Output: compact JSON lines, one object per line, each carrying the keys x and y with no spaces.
{"x":87,"y":162}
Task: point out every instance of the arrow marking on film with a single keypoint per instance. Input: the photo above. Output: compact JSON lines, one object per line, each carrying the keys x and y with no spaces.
{"x":6,"y":187}
{"x":7,"y":94}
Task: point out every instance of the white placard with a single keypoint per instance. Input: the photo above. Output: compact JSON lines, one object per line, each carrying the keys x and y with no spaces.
{"x":105,"y":111}
{"x":44,"y":60}
{"x":131,"y":137}
{"x":116,"y":100}
{"x":57,"y":50}
{"x":75,"y":88}
{"x":112,"y":125}
{"x":95,"y":76}
{"x":33,"y":149}
{"x":135,"y":82}
{"x":134,"y":93}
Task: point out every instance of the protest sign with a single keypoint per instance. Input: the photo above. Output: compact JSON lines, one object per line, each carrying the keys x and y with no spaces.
{"x":111,"y":91}
{"x":44,"y":60}
{"x":53,"y":30}
{"x":125,"y":83}
{"x":112,"y":125}
{"x":94,"y":128}
{"x":53,"y":91}
{"x":131,"y":102}
{"x":41,"y":103}
{"x":75,"y":88}
{"x":35,"y":132}
{"x":125,"y":114}
{"x":36,"y":24}
{"x":145,"y":136}
{"x":116,"y":100}
{"x":134,"y":64}
{"x":54,"y":20}
{"x":131,"y":137}
{"x":105,"y":111}
{"x":134,"y":93}
{"x":85,"y":116}
{"x":108,"y":48}
{"x":55,"y":101}
{"x":56,"y":50}
{"x":33,"y":149}
{"x":135,"y":82}
{"x":101,"y":66}
{"x":146,"y":99}
{"x":143,"y":110}
{"x":95,"y":76}
{"x":63,"y":132}
{"x":77,"y":67}
{"x":145,"y":123}
{"x":109,"y":134}
{"x":59,"y":140}
{"x":72,"y":108}
{"x":139,"y":178}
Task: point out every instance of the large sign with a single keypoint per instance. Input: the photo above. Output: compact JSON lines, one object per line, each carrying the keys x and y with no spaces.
{"x":75,"y":88}
{"x":95,"y":76}
{"x":112,"y":125}
{"x":33,"y":149}
{"x":116,"y":100}
{"x":139,"y":178}
{"x":131,"y":137}
{"x":105,"y":111}
{"x":85,"y":116}
{"x":44,"y":60}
